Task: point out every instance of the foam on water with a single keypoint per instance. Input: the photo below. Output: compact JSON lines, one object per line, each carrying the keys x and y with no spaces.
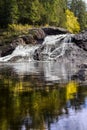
{"x":21,"y":51}
{"x":54,"y":46}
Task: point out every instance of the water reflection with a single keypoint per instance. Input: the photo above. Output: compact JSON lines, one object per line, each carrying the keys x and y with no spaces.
{"x":28,"y":102}
{"x":50,"y":70}
{"x":74,"y":121}
{"x":71,"y":89}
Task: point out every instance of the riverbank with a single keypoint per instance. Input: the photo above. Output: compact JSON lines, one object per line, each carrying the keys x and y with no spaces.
{"x":59,"y":46}
{"x":12,"y":37}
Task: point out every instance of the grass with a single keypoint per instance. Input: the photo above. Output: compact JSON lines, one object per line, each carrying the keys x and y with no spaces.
{"x":13,"y":31}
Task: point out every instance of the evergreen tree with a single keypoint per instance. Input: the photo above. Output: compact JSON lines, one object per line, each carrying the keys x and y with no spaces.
{"x":9,"y":12}
{"x":2,"y":10}
{"x":24,"y":9}
{"x":41,"y":12}
{"x":79,"y":9}
{"x":35,"y":12}
{"x":55,"y":12}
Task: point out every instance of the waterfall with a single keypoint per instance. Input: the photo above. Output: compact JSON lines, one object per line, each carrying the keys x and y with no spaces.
{"x":20,"y":53}
{"x":55,"y":46}
{"x":52,"y":48}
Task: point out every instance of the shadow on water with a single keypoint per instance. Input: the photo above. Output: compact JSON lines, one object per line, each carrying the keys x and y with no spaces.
{"x":42,"y":96}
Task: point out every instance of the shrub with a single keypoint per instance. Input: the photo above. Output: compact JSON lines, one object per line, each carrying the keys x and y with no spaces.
{"x":19,"y":28}
{"x":71,"y":22}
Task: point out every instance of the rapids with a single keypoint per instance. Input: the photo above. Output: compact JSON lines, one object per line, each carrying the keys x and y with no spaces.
{"x":54,"y":47}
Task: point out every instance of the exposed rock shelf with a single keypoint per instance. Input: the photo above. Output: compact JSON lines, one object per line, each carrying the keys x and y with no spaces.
{"x":36,"y":36}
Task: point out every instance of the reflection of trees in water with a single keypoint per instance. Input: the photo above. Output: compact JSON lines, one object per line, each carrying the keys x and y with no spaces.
{"x":22,"y":105}
{"x":41,"y":106}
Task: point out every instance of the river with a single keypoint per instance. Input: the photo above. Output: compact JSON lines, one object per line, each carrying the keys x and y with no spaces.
{"x":41,"y":95}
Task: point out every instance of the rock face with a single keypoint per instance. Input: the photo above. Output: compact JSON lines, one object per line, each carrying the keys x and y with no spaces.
{"x":81,"y":73}
{"x":81,"y":40}
{"x":29,"y":39}
{"x":54,"y":30}
{"x":8,"y":49}
{"x":36,"y":36}
{"x":72,"y":54}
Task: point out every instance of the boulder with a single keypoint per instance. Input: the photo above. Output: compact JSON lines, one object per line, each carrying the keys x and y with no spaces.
{"x":81,"y":40}
{"x":81,"y":74}
{"x":8,"y":49}
{"x":54,"y":30}
{"x":29,"y":39}
{"x":38,"y":33}
{"x":35,"y":36}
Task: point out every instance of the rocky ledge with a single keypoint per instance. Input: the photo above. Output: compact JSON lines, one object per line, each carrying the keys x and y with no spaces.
{"x":37,"y":35}
{"x":81,"y":39}
{"x":75,"y":53}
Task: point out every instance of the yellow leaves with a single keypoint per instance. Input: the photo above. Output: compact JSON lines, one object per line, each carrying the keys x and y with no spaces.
{"x":71,"y":23}
{"x":71,"y":89}
{"x":20,"y":28}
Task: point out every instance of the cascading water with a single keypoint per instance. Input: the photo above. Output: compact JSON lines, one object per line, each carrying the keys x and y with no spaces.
{"x":21,"y":53}
{"x":61,"y":43}
{"x":54,"y":47}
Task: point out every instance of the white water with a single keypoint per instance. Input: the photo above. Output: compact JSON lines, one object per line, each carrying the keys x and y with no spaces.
{"x":25,"y":52}
{"x":54,"y":47}
{"x":60,"y":44}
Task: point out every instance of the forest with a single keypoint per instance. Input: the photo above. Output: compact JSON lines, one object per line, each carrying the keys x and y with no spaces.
{"x":70,"y":14}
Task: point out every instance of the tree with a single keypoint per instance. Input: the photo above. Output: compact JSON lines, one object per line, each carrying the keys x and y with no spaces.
{"x":9,"y":12}
{"x":79,"y":9}
{"x":35,"y":12}
{"x":72,"y":24}
{"x":13,"y":12}
{"x":82,"y":14}
{"x":24,"y":9}
{"x":54,"y":12}
{"x":1,"y":13}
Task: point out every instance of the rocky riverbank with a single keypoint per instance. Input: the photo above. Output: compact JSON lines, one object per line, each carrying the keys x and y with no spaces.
{"x":62,"y":47}
{"x":35,"y":36}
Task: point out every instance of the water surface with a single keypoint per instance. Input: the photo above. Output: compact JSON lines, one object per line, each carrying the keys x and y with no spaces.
{"x":41,"y":96}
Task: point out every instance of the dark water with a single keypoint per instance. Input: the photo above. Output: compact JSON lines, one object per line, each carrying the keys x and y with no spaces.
{"x":41,"y":96}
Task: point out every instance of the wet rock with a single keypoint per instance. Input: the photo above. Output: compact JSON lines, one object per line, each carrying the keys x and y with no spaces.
{"x":29,"y":39}
{"x":60,"y":50}
{"x":16,"y":42}
{"x":38,"y":33}
{"x":16,"y":58}
{"x":8,"y":49}
{"x":54,"y":30}
{"x":81,"y":74}
{"x":81,"y":39}
{"x":37,"y":53}
{"x":35,"y":36}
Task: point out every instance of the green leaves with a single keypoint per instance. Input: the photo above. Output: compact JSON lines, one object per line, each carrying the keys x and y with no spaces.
{"x":36,"y":12}
{"x":78,"y":7}
{"x":43,"y":12}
